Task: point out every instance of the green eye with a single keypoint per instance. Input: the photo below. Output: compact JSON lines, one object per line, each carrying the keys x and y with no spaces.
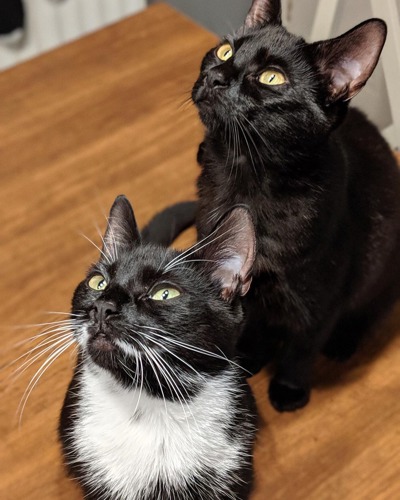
{"x":272,"y":77}
{"x":165,"y":293}
{"x":224,"y":52}
{"x":98,"y":282}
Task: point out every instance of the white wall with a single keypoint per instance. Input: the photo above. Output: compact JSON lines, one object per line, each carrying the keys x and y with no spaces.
{"x":50,"y":23}
{"x":374,"y":98}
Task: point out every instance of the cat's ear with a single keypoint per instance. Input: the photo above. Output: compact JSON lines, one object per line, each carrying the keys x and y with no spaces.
{"x":230,"y":251}
{"x":121,"y":231}
{"x":346,"y":62}
{"x":263,"y":12}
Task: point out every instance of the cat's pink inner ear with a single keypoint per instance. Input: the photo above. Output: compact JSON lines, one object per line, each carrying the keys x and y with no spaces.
{"x":232,"y":253}
{"x":235,"y":275}
{"x":263,"y":12}
{"x":349,"y":60}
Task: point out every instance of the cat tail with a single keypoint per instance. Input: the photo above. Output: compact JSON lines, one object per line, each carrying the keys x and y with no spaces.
{"x":168,"y":224}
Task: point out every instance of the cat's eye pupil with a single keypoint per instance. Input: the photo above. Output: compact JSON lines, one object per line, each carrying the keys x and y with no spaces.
{"x":272,"y":78}
{"x":165,"y":294}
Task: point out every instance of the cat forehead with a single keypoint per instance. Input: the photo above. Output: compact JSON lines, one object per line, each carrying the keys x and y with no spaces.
{"x":146,"y":263}
{"x":269,"y":41}
{"x":150,"y":256}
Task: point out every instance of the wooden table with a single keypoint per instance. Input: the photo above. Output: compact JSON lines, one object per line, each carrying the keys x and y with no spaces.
{"x":104,"y":116}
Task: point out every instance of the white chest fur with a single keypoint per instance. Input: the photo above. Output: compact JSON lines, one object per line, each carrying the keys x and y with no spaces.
{"x":131,"y":443}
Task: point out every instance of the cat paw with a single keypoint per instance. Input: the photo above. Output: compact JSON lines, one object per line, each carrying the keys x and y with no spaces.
{"x":285,"y":397}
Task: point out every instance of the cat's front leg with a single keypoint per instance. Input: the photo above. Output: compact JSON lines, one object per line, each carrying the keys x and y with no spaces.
{"x":290,"y":387}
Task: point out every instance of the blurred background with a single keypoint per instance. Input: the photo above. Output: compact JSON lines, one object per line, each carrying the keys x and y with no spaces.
{"x":31,"y":27}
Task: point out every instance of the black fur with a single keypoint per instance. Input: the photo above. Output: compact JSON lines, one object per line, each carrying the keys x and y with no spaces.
{"x":322,"y":186}
{"x":165,"y":226}
{"x":195,"y":333}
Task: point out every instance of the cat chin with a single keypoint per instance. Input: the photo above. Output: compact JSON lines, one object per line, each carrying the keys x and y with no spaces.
{"x":210,"y":118}
{"x":102,"y":352}
{"x":103,"y":344}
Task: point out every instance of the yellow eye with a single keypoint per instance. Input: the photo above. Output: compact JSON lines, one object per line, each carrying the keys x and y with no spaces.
{"x":225,"y":52}
{"x":165,"y":293}
{"x":98,"y":282}
{"x":272,"y":77}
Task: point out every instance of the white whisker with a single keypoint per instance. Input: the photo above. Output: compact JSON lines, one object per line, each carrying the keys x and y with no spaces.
{"x":150,"y":358}
{"x":183,"y":257}
{"x":50,"y":340}
{"x":149,"y":337}
{"x":199,"y":350}
{"x":35,"y":379}
{"x":98,"y":248}
{"x":168,"y":376}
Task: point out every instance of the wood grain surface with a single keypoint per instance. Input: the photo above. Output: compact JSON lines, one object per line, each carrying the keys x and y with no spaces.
{"x":107,"y":115}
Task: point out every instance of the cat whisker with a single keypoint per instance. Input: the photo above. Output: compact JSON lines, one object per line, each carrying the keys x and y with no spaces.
{"x":232,"y":146}
{"x":35,"y":379}
{"x":168,"y":374}
{"x":228,"y":128}
{"x":192,"y":248}
{"x":191,"y":260}
{"x":105,"y":246}
{"x":30,"y":361}
{"x":232,"y":126}
{"x":184,"y":257}
{"x":154,"y":364}
{"x":44,"y":342}
{"x":141,"y":372}
{"x":255,"y":130}
{"x":214,"y":214}
{"x":195,"y":248}
{"x":48,"y":333}
{"x":186,"y":103}
{"x":114,"y":241}
{"x":149,"y":337}
{"x":128,"y":371}
{"x":162,"y":261}
{"x":165,"y":369}
{"x":98,"y":248}
{"x":238,"y":152}
{"x":250,"y":136}
{"x":135,"y":378}
{"x":243,"y":130}
{"x":64,"y":327}
{"x":167,"y":337}
{"x":153,"y":328}
{"x":48,"y":323}
{"x":74,"y":315}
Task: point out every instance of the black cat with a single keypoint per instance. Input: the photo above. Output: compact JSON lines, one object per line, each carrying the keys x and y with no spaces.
{"x":322,"y":186}
{"x":157,"y":407}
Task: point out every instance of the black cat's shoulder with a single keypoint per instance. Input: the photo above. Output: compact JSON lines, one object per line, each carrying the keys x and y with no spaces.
{"x":358,"y":134}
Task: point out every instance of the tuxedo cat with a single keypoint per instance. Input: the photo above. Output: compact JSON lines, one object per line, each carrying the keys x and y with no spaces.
{"x":157,"y":407}
{"x":321,"y":184}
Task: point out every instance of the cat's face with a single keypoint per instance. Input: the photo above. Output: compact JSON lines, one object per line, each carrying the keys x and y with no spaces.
{"x":264,"y":82}
{"x":266,"y":79}
{"x":154,"y":316}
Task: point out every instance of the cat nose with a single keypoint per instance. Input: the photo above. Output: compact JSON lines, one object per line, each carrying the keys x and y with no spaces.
{"x":216,"y":78}
{"x":103,"y":309}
